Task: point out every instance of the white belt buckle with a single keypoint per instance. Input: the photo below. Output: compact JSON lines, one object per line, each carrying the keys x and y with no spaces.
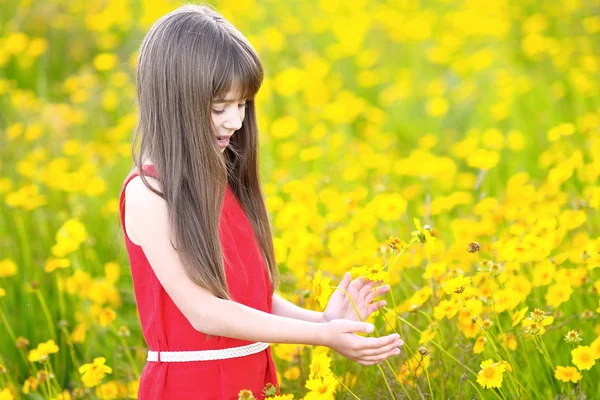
{"x":206,"y":355}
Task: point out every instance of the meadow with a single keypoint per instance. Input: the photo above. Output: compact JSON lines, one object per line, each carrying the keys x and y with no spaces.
{"x":450,"y":148}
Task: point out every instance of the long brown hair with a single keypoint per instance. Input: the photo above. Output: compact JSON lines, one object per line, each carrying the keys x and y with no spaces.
{"x":188,"y":58}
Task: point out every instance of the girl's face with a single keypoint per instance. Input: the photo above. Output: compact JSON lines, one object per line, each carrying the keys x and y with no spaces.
{"x":227,"y":116}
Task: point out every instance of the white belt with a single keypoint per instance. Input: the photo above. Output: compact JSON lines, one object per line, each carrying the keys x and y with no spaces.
{"x":205,"y":355}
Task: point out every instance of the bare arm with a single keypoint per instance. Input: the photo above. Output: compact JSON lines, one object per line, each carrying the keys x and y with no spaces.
{"x":214,"y":316}
{"x":286,"y":308}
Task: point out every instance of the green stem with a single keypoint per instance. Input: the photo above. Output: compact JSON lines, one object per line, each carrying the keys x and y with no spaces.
{"x":438,"y":346}
{"x":347,"y":388}
{"x":72,"y":352}
{"x":378,"y":366}
{"x":51,"y":328}
{"x":386,"y":381}
{"x":127,"y":352}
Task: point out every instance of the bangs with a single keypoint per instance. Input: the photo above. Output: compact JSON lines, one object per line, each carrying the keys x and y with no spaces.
{"x":240,"y":70}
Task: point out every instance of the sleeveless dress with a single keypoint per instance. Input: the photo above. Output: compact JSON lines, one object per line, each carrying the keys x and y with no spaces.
{"x":165,"y":328}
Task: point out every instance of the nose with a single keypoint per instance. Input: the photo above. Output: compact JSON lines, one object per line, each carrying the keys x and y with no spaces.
{"x":234,"y":119}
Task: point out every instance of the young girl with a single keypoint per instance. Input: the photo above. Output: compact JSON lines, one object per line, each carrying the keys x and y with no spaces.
{"x":196,"y":226}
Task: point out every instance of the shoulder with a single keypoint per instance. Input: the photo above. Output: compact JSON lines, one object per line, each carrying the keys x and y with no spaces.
{"x":146,"y":210}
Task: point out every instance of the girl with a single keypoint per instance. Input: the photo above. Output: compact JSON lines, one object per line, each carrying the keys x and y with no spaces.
{"x":196,"y":226}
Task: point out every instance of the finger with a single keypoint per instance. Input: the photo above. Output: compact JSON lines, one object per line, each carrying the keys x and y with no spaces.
{"x":375,"y":306}
{"x":367,"y":288}
{"x":356,"y":326}
{"x":391,"y":347}
{"x":357,"y":284}
{"x":377,"y":292}
{"x":345,"y":282}
{"x":380,"y":357}
{"x":365,"y":344}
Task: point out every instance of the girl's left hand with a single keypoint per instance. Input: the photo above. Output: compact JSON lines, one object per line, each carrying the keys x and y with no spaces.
{"x":362,"y":293}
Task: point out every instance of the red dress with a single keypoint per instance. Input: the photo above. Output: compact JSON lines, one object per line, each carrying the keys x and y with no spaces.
{"x":165,"y":328}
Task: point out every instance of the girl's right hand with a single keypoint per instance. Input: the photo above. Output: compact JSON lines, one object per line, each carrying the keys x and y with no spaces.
{"x":339,"y":334}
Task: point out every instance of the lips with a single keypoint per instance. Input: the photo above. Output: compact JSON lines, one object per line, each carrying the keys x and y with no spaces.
{"x":223,"y":141}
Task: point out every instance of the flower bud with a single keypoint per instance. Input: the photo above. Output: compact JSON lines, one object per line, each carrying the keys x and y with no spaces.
{"x":473,"y":247}
{"x":22,"y":343}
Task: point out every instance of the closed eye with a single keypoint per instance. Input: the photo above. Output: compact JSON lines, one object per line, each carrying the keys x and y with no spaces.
{"x":240,"y":105}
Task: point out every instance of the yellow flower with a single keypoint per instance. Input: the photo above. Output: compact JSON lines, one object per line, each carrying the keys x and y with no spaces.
{"x":457,"y":285}
{"x":31,"y":383}
{"x":103,"y":315}
{"x":2,"y":292}
{"x":437,"y":106}
{"x":321,"y":388}
{"x":445,"y":309}
{"x":42,"y":351}
{"x":7,"y":268}
{"x":519,"y":316}
{"x":559,"y":131}
{"x":396,"y":244}
{"x":478,"y":347}
{"x":595,"y":347}
{"x":567,"y":374}
{"x":292,"y":373}
{"x":320,"y":366}
{"x":374,"y":273}
{"x":583,"y":357}
{"x":55,"y":263}
{"x":78,"y":334}
{"x":424,"y":235}
{"x":105,"y":61}
{"x":110,"y":390}
{"x":558,"y":294}
{"x":491,"y":374}
{"x":483,"y":159}
{"x":321,"y":288}
{"x":5,"y":394}
{"x":133,"y":388}
{"x":68,"y":238}
{"x":93,"y":373}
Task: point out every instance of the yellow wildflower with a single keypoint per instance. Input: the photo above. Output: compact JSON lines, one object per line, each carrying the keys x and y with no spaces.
{"x":93,"y":373}
{"x":457,"y":285}
{"x":7,"y":268}
{"x":375,"y":273}
{"x":519,"y":316}
{"x":595,"y":347}
{"x":56,"y":263}
{"x":583,"y":357}
{"x":491,"y":374}
{"x":567,"y":374}
{"x":558,"y":294}
{"x":42,"y":351}
{"x":321,"y":388}
{"x":320,"y":366}
{"x":424,"y":235}
{"x":5,"y":394}
{"x":478,"y":347}
{"x":321,"y":288}
{"x":292,"y":373}
{"x":31,"y":383}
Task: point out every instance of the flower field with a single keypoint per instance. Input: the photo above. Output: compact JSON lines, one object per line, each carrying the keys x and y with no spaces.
{"x":449,"y":148}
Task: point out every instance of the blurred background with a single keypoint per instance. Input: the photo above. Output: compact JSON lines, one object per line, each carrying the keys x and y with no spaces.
{"x":479,"y":118}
